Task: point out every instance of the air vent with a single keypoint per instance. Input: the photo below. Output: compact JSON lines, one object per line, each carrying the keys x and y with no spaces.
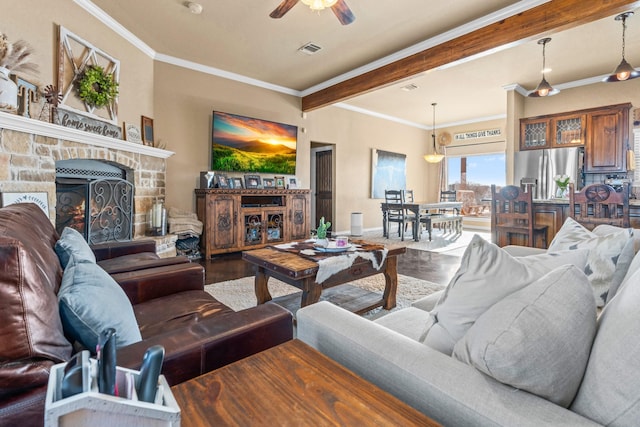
{"x":409,"y":87}
{"x":310,"y":48}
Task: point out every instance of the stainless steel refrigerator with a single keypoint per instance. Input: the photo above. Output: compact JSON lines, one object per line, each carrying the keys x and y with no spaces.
{"x":540,"y":166}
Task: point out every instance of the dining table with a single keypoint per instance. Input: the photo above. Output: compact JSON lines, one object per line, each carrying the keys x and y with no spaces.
{"x":419,"y":210}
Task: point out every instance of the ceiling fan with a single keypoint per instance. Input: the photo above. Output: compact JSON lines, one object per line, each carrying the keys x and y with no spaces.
{"x":340,"y":9}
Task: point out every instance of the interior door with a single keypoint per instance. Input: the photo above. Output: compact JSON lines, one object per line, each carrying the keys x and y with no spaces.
{"x":324,"y":187}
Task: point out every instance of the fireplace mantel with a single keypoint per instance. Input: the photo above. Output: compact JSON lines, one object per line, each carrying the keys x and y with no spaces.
{"x":38,"y":127}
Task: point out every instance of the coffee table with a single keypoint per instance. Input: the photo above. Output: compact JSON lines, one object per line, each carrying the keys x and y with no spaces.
{"x":300,"y":271}
{"x":290,"y":384}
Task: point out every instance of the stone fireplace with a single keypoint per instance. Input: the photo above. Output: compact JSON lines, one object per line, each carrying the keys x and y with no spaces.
{"x":31,"y":150}
{"x":95,"y":198}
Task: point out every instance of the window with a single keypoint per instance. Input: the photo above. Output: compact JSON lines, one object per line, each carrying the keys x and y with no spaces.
{"x":472,"y":177}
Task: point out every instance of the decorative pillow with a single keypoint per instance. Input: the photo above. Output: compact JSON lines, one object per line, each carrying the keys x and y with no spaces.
{"x":91,"y":301}
{"x":609,"y":255}
{"x":486,"y":275}
{"x":537,"y":339}
{"x":610,"y":390}
{"x":71,"y":243}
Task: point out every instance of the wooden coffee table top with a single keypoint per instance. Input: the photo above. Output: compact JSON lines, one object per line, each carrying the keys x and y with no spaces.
{"x":293,"y":265}
{"x":291,"y":384}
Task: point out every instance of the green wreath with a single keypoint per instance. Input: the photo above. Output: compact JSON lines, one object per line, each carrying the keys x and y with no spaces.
{"x":96,"y":87}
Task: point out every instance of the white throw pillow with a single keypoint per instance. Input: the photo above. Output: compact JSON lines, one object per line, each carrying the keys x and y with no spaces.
{"x":537,"y":339}
{"x":609,"y":255}
{"x":486,"y":275}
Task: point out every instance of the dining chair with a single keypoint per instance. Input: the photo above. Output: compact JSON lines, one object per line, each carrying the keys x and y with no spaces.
{"x":599,"y":204}
{"x":397,"y":213}
{"x":512,"y":213}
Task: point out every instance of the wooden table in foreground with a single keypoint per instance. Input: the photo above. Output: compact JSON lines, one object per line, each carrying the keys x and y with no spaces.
{"x":291,"y":384}
{"x":300,"y":271}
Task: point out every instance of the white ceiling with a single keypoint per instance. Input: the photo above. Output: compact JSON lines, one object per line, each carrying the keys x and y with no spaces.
{"x":239,"y":37}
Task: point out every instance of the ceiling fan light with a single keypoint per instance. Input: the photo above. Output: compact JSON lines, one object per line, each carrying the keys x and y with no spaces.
{"x":624,"y":71}
{"x":319,"y":4}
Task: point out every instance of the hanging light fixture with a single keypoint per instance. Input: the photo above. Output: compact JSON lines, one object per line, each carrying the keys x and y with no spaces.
{"x":319,"y":4}
{"x":544,"y":88}
{"x":624,"y":71}
{"x":434,"y":157}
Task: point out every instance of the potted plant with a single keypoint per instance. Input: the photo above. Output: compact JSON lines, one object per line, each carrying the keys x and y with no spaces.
{"x":321,"y":233}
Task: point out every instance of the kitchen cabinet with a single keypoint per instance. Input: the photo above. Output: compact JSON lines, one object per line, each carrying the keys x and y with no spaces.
{"x":557,"y":131}
{"x":607,"y":139}
{"x":603,"y":131}
{"x":242,"y":219}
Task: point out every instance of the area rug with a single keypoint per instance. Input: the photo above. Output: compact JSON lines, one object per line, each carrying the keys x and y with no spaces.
{"x":239,"y":294}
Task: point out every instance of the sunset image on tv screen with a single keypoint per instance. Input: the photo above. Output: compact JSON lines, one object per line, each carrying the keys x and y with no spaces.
{"x":245,"y":144}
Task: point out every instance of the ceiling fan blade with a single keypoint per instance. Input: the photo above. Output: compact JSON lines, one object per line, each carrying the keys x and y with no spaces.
{"x":343,"y":13}
{"x":283,"y":8}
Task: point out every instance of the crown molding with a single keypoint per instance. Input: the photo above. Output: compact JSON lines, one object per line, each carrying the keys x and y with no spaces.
{"x":224,"y":74}
{"x":50,"y":130}
{"x":518,"y":7}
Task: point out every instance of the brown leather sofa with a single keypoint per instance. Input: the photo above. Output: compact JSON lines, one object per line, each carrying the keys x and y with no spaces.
{"x":171,"y":307}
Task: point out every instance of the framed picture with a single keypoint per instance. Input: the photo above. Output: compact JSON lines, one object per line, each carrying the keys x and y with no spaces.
{"x":293,"y":183}
{"x":222,"y":181}
{"x":251,"y":181}
{"x":39,"y":198}
{"x":269,"y":183}
{"x":236,"y":183}
{"x":279,"y":182}
{"x":132,"y":133}
{"x":147,"y":131}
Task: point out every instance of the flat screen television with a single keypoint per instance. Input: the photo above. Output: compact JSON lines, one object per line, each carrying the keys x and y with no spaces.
{"x":245,"y":144}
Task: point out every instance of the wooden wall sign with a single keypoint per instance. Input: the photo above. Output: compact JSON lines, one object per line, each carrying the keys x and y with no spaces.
{"x":73,"y":120}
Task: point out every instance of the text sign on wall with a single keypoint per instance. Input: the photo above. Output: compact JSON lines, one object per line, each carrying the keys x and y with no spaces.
{"x":477,"y":134}
{"x":77,"y":121}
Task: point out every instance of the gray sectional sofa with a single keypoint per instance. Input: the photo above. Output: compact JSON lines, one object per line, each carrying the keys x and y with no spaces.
{"x":537,"y":354}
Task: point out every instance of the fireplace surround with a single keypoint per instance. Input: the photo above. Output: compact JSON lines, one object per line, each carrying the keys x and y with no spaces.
{"x":30,"y":149}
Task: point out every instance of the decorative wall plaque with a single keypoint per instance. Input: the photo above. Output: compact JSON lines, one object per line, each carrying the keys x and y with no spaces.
{"x":73,"y":120}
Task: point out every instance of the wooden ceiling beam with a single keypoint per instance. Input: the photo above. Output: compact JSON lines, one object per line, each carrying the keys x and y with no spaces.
{"x":554,"y":16}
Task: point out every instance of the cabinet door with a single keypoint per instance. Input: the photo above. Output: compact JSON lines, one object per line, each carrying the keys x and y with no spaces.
{"x":299,"y":216}
{"x":569,"y":130}
{"x":222,"y":221}
{"x":607,"y":135}
{"x":253,"y":226}
{"x":534,"y":134}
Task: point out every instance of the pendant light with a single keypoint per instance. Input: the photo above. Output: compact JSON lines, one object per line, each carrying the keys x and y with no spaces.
{"x":624,"y":71}
{"x":544,"y":88}
{"x":434,"y":157}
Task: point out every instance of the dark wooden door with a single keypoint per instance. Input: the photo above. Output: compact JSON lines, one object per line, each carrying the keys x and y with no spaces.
{"x":324,"y":187}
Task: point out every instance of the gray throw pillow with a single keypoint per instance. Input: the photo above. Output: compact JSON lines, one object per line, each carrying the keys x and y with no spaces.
{"x":610,"y":390}
{"x":609,"y":255}
{"x":72,"y":243}
{"x":91,"y":301}
{"x":486,"y":275}
{"x":537,"y":339}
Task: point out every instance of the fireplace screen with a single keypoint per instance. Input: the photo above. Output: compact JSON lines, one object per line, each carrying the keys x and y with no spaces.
{"x":94,"y":198}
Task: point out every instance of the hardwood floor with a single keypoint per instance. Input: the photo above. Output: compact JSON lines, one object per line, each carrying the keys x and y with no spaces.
{"x":432,"y":266}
